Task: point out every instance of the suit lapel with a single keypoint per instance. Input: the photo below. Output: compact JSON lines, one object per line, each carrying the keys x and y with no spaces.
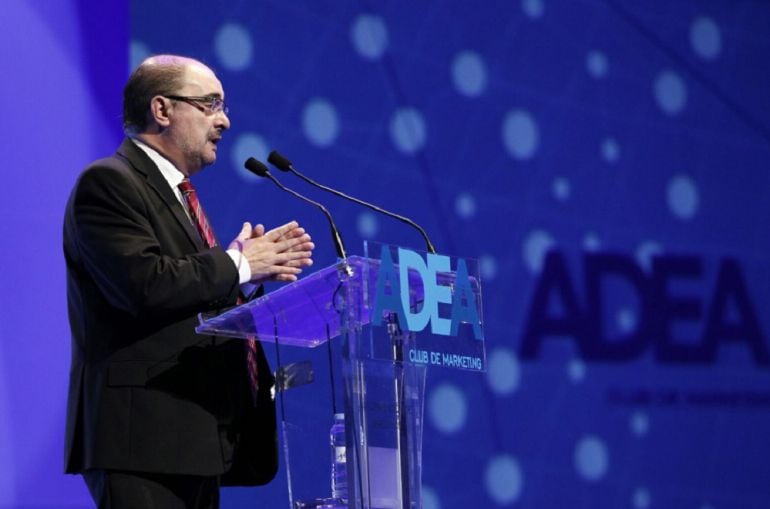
{"x":144,"y":165}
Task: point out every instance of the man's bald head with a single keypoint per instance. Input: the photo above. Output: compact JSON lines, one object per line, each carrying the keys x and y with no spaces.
{"x":156,"y":75}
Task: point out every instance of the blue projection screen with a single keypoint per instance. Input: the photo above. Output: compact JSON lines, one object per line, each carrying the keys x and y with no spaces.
{"x":64,"y":66}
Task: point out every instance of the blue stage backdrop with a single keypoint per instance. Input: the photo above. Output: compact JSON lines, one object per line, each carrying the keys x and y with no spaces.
{"x":606,"y":161}
{"x":64,"y":64}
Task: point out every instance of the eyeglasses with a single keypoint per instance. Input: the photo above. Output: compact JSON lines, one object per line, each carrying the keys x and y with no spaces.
{"x":213,"y":103}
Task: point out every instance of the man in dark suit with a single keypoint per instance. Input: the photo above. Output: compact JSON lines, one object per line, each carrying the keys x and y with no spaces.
{"x":157,"y":415}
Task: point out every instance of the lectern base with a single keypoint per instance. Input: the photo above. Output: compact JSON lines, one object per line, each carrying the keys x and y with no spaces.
{"x":326,"y":503}
{"x":321,"y":503}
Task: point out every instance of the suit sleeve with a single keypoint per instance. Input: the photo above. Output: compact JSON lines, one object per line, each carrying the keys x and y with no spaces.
{"x":116,"y":227}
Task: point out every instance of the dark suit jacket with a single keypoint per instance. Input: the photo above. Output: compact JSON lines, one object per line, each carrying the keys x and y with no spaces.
{"x":146,"y":392}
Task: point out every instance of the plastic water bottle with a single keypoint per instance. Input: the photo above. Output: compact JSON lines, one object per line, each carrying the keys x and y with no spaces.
{"x":339,"y":459}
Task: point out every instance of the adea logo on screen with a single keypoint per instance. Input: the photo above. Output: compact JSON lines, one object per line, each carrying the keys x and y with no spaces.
{"x":726,"y":315}
{"x":392,"y":293}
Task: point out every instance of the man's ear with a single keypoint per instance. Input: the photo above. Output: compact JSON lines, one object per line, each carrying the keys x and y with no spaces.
{"x":159,"y":110}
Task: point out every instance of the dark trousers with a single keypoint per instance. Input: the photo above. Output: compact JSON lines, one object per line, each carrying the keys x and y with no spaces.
{"x":113,"y":489}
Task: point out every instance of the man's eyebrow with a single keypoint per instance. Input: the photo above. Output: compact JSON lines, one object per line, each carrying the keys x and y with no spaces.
{"x":214,"y":95}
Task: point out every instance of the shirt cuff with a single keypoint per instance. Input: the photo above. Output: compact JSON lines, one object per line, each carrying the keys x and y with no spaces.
{"x":244,"y":271}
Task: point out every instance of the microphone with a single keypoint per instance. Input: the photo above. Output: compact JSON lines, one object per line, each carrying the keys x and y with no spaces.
{"x":279,"y":161}
{"x":259,"y":168}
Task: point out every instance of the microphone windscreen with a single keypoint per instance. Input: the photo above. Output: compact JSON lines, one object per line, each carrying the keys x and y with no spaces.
{"x":256,"y":167}
{"x":276,"y":159}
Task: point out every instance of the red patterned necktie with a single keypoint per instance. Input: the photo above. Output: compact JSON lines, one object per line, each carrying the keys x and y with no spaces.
{"x":198,"y":217}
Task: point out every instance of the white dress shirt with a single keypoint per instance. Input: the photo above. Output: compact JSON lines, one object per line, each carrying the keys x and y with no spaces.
{"x":174,"y":177}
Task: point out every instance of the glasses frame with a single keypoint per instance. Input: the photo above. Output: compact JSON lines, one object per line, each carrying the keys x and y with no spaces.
{"x":213,"y":103}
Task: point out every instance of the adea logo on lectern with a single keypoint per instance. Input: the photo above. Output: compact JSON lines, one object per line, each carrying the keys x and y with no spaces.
{"x":392,"y":293}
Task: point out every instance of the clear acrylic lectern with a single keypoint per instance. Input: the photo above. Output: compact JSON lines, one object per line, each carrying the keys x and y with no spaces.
{"x":397,"y":312}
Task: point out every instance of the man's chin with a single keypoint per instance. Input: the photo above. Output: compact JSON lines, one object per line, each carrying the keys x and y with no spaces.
{"x":210,"y":158}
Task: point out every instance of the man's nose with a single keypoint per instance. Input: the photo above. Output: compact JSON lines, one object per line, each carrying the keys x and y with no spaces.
{"x":223,"y":120}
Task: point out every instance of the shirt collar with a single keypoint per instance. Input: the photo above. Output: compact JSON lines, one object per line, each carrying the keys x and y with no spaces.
{"x":170,"y":172}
